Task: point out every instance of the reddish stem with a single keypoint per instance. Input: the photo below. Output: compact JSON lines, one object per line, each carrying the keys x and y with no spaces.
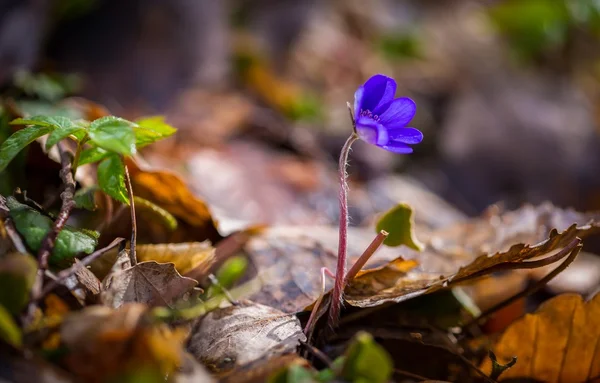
{"x":364,"y":258}
{"x":340,"y":272}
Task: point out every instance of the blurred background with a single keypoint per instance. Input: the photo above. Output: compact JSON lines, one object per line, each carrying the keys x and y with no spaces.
{"x":508,"y":95}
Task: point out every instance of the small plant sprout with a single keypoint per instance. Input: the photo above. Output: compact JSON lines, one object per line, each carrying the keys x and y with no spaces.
{"x":378,"y":119}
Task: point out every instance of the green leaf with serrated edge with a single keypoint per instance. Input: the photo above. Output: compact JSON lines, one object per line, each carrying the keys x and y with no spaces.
{"x":150,"y":130}
{"x":367,"y":361}
{"x":17,"y":275}
{"x":84,"y":198}
{"x":113,"y":134}
{"x":167,"y":218}
{"x":60,"y":133}
{"x":18,"y":141}
{"x":54,"y":122}
{"x":111,"y":178}
{"x":9,"y":331}
{"x":91,"y":155}
{"x":34,"y":226}
{"x":399,"y":223}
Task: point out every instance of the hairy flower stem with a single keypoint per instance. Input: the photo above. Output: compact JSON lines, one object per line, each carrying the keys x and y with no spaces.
{"x":340,"y":272}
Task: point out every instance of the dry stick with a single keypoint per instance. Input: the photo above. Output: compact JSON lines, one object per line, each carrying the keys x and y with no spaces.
{"x":340,"y":271}
{"x":14,"y":236}
{"x":410,"y":375}
{"x":572,"y":249}
{"x":364,"y":258}
{"x":84,"y":262}
{"x":68,"y":204}
{"x":317,"y":353}
{"x":132,"y":255}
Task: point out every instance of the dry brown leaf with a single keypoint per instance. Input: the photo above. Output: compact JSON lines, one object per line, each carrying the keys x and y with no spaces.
{"x":152,"y":283}
{"x":105,"y":344}
{"x":234,"y":336}
{"x":560,"y":342}
{"x":167,"y":190}
{"x":188,"y":256}
{"x":288,"y":260}
{"x":261,"y":370}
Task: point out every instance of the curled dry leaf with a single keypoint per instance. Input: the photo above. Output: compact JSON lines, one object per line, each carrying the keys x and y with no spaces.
{"x":152,"y":283}
{"x":560,"y":342}
{"x":235,"y":336}
{"x":409,"y":285}
{"x":120,"y":343}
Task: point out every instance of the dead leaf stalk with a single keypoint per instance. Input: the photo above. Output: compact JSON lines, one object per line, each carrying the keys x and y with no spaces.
{"x":317,"y":353}
{"x":364,"y":258}
{"x":572,"y":249}
{"x":132,"y":255}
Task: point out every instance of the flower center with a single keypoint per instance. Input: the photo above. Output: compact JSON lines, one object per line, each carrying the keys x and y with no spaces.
{"x":369,"y":114}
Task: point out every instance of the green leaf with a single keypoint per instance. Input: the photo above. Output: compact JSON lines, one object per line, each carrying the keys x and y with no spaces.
{"x":366,"y":361}
{"x":34,"y":226}
{"x":92,"y":155}
{"x":111,"y":178}
{"x":19,"y":140}
{"x":9,"y":331}
{"x":77,"y":130}
{"x":84,"y":198}
{"x":17,"y":275}
{"x":150,"y":130}
{"x":53,"y":122}
{"x":113,"y":134}
{"x":399,"y":223}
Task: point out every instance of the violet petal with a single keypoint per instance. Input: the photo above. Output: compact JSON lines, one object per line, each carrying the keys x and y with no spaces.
{"x":399,"y":113}
{"x":405,"y":135}
{"x":379,"y":90}
{"x":398,"y":147}
{"x":371,"y":132}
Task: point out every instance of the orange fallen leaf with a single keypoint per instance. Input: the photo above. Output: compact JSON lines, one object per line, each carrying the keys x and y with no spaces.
{"x":119,"y":342}
{"x":188,"y":256}
{"x":560,"y":342}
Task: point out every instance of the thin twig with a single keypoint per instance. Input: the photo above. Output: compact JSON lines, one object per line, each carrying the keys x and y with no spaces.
{"x":68,"y":203}
{"x":65,"y":211}
{"x":364,"y":258}
{"x":573,"y":248}
{"x":132,"y":254}
{"x":410,"y":375}
{"x":317,"y":353}
{"x":338,"y":287}
{"x":14,"y":236}
{"x":64,"y":274}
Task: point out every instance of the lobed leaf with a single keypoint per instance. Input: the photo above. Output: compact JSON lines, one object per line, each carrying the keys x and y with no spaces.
{"x":399,"y":224}
{"x":113,"y":134}
{"x":18,"y":141}
{"x":111,"y":178}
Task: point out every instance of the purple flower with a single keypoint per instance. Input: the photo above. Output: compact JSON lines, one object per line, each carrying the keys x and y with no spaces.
{"x":381,"y":120}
